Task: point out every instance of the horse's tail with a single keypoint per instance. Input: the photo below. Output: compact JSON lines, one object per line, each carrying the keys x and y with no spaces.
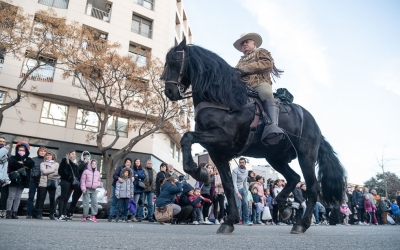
{"x":331,"y":174}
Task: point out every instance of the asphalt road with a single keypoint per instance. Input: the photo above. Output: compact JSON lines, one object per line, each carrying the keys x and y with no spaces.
{"x":46,"y":234}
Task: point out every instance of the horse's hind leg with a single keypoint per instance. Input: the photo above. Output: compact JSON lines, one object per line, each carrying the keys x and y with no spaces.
{"x":307,"y":165}
{"x":292,"y":179}
{"x":224,"y":170}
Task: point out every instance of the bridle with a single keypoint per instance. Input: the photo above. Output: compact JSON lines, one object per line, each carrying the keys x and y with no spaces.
{"x":181,"y":88}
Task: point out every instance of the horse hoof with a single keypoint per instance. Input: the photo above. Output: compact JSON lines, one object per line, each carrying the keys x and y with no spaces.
{"x":225,"y":229}
{"x":286,"y":213}
{"x":298,"y":229}
{"x":202,"y":175}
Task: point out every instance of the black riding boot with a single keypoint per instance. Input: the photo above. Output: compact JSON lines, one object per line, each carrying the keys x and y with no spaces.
{"x":272,"y":134}
{"x":8,"y":214}
{"x":14,"y":215}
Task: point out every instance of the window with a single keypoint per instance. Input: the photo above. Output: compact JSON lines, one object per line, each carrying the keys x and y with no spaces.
{"x":44,"y":73}
{"x":177,"y":153}
{"x":62,"y":4}
{"x":99,"y":9}
{"x":141,"y":26}
{"x":139,"y":55}
{"x":2,"y":54}
{"x":122,"y":126}
{"x":97,"y":38}
{"x":2,"y":97}
{"x":87,"y":120}
{"x":172,"y":149}
{"x":54,"y":113}
{"x":145,"y":3}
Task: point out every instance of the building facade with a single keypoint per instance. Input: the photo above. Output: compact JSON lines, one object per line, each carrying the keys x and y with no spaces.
{"x":52,"y":115}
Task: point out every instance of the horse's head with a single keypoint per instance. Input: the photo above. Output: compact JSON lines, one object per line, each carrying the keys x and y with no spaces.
{"x":175,"y":86}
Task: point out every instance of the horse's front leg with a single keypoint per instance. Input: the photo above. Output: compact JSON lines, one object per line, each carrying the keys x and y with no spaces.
{"x":189,"y":166}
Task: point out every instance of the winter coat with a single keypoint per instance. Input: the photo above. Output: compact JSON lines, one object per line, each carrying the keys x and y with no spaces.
{"x":192,"y":198}
{"x":90,"y":179}
{"x":168,"y":193}
{"x":256,"y":199}
{"x":35,"y":172}
{"x":269,"y":201}
{"x":384,"y":205}
{"x":358,"y":199}
{"x":206,"y":188}
{"x":298,"y":195}
{"x":277,"y":190}
{"x":13,"y":165}
{"x":117,"y":174}
{"x":395,"y":209}
{"x":377,"y":198}
{"x":48,"y":171}
{"x":125,"y":189}
{"x":68,"y":169}
{"x":138,"y":174}
{"x":3,"y":165}
{"x":368,"y":206}
{"x":344,"y":209}
{"x":184,"y":198}
{"x":371,"y":199}
{"x":256,"y":67}
{"x":150,"y":187}
{"x":159,"y":179}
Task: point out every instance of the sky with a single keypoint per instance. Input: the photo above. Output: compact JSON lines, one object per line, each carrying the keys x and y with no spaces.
{"x":341,"y":61}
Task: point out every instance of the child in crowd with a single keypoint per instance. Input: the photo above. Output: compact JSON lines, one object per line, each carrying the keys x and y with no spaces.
{"x":345,"y":210}
{"x":90,"y":181}
{"x":369,"y":209}
{"x":123,"y":191}
{"x":268,"y":203}
{"x":255,"y":212}
{"x":194,"y":196}
{"x":395,"y":211}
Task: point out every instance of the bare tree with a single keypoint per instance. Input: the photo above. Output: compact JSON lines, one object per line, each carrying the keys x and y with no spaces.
{"x":114,"y":87}
{"x":33,"y":39}
{"x":383,"y":163}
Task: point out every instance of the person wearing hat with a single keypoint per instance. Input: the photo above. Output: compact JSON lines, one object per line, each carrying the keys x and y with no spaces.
{"x":19,"y":167}
{"x":256,"y":68}
{"x":34,"y":184}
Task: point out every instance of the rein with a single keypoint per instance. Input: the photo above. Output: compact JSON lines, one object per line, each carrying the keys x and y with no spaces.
{"x":181,"y":88}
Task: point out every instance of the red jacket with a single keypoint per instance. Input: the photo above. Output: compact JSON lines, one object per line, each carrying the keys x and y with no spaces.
{"x":193,"y":197}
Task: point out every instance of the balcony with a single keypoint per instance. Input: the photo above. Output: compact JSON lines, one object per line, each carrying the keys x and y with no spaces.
{"x":61,"y":4}
{"x":99,"y":9}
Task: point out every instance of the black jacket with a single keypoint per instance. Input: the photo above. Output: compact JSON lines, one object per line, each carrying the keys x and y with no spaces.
{"x":117,"y":173}
{"x":13,"y":165}
{"x":65,"y":170}
{"x":35,"y":172}
{"x":159,"y":179}
{"x":298,"y":195}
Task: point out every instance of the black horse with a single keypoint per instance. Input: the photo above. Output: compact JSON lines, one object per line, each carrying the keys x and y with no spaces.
{"x":223,"y":126}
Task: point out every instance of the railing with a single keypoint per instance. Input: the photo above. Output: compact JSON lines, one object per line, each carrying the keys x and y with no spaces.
{"x":62,"y":4}
{"x":40,"y":74}
{"x":100,"y":14}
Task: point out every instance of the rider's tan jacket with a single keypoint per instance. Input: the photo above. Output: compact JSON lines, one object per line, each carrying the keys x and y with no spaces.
{"x":257,"y":67}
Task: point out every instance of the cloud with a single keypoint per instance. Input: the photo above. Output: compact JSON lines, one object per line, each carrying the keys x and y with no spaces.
{"x":388,"y":76}
{"x":293,"y":37}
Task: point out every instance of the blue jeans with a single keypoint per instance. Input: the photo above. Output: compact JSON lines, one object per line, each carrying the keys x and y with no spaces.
{"x":316,"y":213}
{"x":242,"y":205}
{"x":255,"y":217}
{"x":137,"y":197}
{"x":29,"y":206}
{"x":149,"y":196}
{"x":113,"y":204}
{"x":122,"y":211}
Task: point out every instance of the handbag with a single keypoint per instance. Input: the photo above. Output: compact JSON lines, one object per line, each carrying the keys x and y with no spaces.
{"x":51,"y":184}
{"x":163,"y":214}
{"x":266,"y":215}
{"x":75,"y":181}
{"x":140,"y":184}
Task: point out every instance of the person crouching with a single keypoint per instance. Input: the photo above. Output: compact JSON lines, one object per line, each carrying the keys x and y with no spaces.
{"x":90,"y":181}
{"x":123,"y":191}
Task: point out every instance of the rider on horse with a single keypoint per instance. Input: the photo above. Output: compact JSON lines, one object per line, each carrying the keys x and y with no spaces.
{"x":256,"y":67}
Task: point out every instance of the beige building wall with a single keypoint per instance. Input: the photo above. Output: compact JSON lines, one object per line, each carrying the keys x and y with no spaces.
{"x":169,"y":25}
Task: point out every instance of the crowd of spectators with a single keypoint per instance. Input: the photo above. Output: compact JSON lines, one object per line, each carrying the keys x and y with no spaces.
{"x":203,"y":203}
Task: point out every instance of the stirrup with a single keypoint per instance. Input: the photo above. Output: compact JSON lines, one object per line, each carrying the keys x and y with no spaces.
{"x":272,"y":134}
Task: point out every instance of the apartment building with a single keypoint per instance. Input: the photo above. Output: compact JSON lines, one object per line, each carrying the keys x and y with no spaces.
{"x":52,"y":115}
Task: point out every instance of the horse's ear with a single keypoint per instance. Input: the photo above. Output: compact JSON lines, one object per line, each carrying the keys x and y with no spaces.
{"x":182,"y":45}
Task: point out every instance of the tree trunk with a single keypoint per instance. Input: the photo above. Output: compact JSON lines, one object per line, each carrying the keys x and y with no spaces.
{"x":109,"y":172}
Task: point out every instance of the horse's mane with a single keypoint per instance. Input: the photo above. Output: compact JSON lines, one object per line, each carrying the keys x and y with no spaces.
{"x":213,"y":79}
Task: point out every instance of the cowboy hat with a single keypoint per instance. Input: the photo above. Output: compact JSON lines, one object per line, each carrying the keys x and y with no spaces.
{"x":252,"y":36}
